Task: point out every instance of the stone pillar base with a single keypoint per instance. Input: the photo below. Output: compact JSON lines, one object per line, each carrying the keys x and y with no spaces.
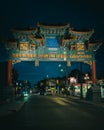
{"x":96,"y":94}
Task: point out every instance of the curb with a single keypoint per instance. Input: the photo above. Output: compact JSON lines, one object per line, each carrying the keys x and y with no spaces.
{"x":16,"y":107}
{"x":11,"y":109}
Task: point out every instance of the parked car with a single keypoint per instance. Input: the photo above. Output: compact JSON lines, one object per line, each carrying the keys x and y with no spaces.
{"x":48,"y":92}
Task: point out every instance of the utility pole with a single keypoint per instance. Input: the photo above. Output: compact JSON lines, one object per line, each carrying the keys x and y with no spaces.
{"x":81,"y":89}
{"x":66,"y":75}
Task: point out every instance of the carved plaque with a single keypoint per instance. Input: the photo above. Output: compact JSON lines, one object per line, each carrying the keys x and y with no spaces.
{"x":80,"y":47}
{"x":23,"y":46}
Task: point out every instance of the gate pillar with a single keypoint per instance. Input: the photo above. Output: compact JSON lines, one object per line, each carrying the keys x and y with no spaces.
{"x":9,"y":72}
{"x":94,"y":80}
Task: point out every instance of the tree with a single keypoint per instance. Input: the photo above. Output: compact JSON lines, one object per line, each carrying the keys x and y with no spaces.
{"x":77,"y":74}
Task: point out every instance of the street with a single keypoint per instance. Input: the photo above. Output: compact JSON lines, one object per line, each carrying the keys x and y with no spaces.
{"x":54,"y":113}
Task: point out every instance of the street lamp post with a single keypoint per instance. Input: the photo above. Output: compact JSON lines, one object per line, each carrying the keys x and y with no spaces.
{"x":66,"y":73}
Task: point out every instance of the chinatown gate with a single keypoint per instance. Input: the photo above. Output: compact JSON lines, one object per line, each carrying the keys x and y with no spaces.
{"x":51,"y":43}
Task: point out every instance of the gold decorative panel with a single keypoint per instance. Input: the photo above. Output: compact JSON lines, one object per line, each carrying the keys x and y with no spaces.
{"x":40,"y":55}
{"x":80,"y":56}
{"x":24,"y":46}
{"x":51,"y":55}
{"x":45,"y":55}
{"x":58,"y":55}
{"x":80,"y":47}
{"x":24,"y":55}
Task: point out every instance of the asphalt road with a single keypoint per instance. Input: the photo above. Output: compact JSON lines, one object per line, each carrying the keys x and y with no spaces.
{"x":54,"y":113}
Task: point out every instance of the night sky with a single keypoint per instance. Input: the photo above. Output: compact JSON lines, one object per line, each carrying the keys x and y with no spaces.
{"x":81,"y":14}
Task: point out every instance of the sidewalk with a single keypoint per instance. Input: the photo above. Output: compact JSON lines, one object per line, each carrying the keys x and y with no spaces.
{"x":95,"y":103}
{"x":77,"y":99}
{"x":11,"y":107}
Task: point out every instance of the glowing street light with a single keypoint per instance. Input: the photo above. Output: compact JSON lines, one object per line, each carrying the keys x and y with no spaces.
{"x":47,"y":76}
{"x":59,"y":65}
{"x":66,"y":71}
{"x":62,"y":70}
{"x":86,"y":77}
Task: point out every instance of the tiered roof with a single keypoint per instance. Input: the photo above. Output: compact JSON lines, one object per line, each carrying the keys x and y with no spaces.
{"x":82,"y":35}
{"x":51,"y":29}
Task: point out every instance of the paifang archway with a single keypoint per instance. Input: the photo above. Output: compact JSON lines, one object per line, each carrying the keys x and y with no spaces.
{"x":51,"y":43}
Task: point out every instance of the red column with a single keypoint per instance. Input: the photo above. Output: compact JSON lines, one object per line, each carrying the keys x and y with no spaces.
{"x":9,"y":73}
{"x":94,"y":80}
